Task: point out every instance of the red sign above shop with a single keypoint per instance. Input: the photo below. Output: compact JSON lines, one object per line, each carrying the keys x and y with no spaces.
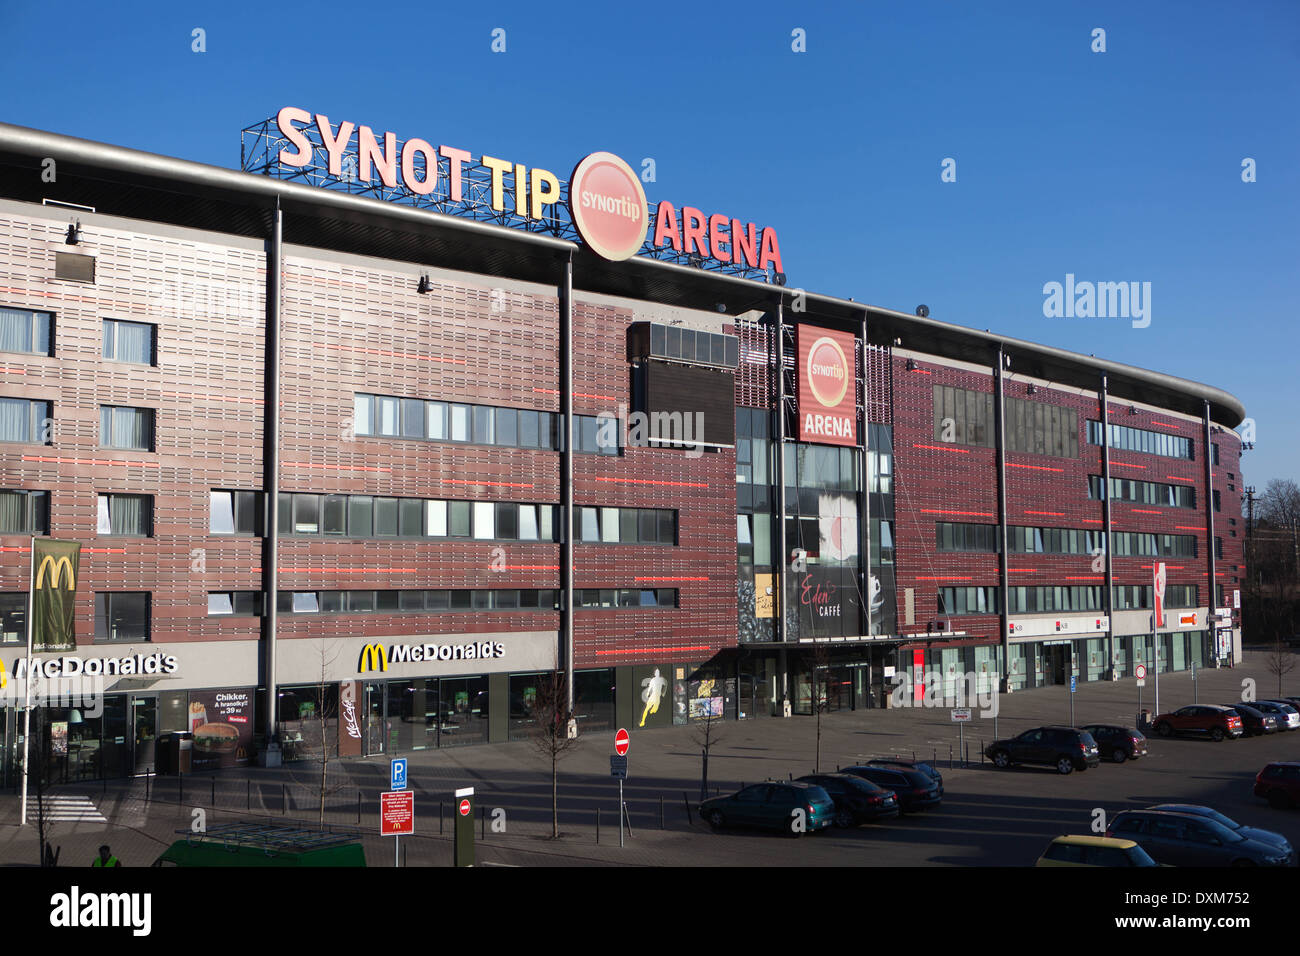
{"x":827,"y":398}
{"x":608,"y":206}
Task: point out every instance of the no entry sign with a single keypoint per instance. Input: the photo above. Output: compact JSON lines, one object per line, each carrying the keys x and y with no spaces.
{"x":1141,"y":671}
{"x":621,"y":742}
{"x":397,"y":813}
{"x":464,"y":808}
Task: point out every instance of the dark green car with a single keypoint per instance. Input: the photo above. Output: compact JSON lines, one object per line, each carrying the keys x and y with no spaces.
{"x":774,"y":806}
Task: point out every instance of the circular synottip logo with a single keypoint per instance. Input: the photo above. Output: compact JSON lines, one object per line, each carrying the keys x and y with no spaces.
{"x":827,"y":371}
{"x":608,"y":206}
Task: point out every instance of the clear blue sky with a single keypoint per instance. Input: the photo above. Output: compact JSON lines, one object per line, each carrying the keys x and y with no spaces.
{"x":1115,"y":166}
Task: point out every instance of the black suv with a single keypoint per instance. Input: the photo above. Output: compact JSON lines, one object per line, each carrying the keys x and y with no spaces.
{"x":1065,"y":748}
{"x":1117,"y":743}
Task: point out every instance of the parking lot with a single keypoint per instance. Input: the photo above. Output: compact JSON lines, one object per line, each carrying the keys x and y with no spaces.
{"x":988,"y":817}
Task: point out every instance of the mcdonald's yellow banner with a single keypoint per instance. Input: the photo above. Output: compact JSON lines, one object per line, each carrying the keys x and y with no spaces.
{"x":56,"y":565}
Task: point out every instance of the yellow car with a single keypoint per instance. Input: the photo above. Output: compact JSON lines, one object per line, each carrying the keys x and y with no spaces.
{"x":1094,"y":851}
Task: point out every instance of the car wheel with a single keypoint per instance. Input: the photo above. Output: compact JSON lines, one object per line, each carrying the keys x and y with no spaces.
{"x":1064,"y":765}
{"x":1118,"y":755}
{"x":1164,"y":730}
{"x":1278,"y":800}
{"x":1216,"y":734}
{"x":1001,"y":759}
{"x":843,"y":819}
{"x":715,"y":819}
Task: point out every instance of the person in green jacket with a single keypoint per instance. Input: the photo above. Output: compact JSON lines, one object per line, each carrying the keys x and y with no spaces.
{"x":106,"y":857}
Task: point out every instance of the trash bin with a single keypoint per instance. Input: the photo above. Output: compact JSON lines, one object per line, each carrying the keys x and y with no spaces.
{"x":184,"y":750}
{"x":1144,"y":720}
{"x":164,"y":757}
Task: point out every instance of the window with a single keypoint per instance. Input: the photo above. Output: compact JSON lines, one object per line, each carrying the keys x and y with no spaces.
{"x":1144,"y":492}
{"x":235,"y":512}
{"x":968,"y":600}
{"x":122,"y":427}
{"x":24,"y":330}
{"x":24,"y":512}
{"x":23,"y":420}
{"x":126,"y":515}
{"x":234,"y":603}
{"x":625,"y":597}
{"x":1216,"y":499}
{"x":13,"y":617}
{"x":133,"y":342}
{"x":953,"y":536}
{"x":1042,"y":429}
{"x":306,"y":514}
{"x":122,"y":616}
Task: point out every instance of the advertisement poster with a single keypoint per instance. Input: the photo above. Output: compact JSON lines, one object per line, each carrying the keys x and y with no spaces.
{"x":827,"y":387}
{"x":705,"y":699}
{"x":59,"y":737}
{"x":222,"y":724}
{"x":349,"y":722}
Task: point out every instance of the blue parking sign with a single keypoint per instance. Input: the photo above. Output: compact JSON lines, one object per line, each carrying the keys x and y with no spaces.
{"x":398,"y":781}
{"x":1073,"y":682}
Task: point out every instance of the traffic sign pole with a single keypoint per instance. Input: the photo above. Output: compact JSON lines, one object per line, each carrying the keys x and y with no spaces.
{"x":463,"y":841}
{"x":621,"y":744}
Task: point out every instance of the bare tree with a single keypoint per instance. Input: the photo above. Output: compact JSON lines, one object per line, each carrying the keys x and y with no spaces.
{"x":550,"y":737}
{"x":1280,"y":662}
{"x":706,"y":736}
{"x":326,"y":709}
{"x":1279,"y":506}
{"x":817,"y":678}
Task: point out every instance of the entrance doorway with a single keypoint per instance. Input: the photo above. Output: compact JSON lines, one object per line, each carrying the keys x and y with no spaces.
{"x":144,"y":732}
{"x":376,"y":730}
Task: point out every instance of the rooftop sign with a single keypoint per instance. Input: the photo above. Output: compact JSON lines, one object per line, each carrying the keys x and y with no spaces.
{"x":603,"y":206}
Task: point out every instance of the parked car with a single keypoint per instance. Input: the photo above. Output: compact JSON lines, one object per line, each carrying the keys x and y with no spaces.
{"x":1181,"y":839}
{"x":1250,"y":833}
{"x":1254,"y":722}
{"x":1094,"y":851}
{"x":916,"y":790}
{"x":1066,"y":748}
{"x":856,"y":799}
{"x":1117,"y":743}
{"x":1205,"y":720}
{"x":902,"y":763}
{"x":1279,"y":784}
{"x":771,"y":806}
{"x":1288,"y":718}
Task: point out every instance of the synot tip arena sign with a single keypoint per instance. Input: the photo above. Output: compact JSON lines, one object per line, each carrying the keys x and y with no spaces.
{"x":603,"y":204}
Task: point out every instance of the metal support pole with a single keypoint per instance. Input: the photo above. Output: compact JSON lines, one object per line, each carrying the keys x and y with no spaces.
{"x":1109,"y":596}
{"x":1212,"y":599}
{"x":271,"y":481}
{"x":999,"y":409}
{"x":620,"y":811}
{"x":566,"y":478}
{"x":27,"y":680}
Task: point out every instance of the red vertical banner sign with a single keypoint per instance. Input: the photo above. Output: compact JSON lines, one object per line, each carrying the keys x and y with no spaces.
{"x":1158,"y":587}
{"x":918,"y":675}
{"x":828,"y":410}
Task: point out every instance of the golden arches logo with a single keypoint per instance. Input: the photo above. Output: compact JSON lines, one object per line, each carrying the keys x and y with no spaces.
{"x":4,"y":677}
{"x":56,"y":566}
{"x":373,"y":657}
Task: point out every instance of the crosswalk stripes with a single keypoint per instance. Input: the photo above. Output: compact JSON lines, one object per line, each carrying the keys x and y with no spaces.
{"x":66,"y":808}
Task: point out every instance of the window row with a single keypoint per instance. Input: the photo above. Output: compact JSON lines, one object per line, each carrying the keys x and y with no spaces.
{"x":1048,"y":599}
{"x":30,"y":421}
{"x":953,"y":536}
{"x":1144,"y":492}
{"x":28,"y":512}
{"x":416,"y":418}
{"x":412,"y":602}
{"x":966,"y":417}
{"x":624,"y":526}
{"x":24,"y":512}
{"x":625,"y":597}
{"x":119,"y":616}
{"x":367,"y":516}
{"x":1125,"y":438}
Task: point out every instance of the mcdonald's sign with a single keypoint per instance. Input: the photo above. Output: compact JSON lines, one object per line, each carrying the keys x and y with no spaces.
{"x":373,"y":657}
{"x":54,"y":589}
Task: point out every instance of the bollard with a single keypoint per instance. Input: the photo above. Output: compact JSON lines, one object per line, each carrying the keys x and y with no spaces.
{"x":934,"y":761}
{"x":284,"y":798}
{"x":146,"y":790}
{"x":180,"y":788}
{"x":214,"y":791}
{"x":950,"y":756}
{"x":248,"y":793}
{"x":358,"y":806}
{"x":439,"y":815}
{"x":965,"y":760}
{"x":981,"y":751}
{"x":661,"y":812}
{"x":913,"y":756}
{"x":598,"y":826}
{"x":482,"y":821}
{"x":687,"y":804}
{"x":791,"y":776}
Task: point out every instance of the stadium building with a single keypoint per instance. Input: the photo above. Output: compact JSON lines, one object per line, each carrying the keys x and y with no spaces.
{"x":372,"y":438}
